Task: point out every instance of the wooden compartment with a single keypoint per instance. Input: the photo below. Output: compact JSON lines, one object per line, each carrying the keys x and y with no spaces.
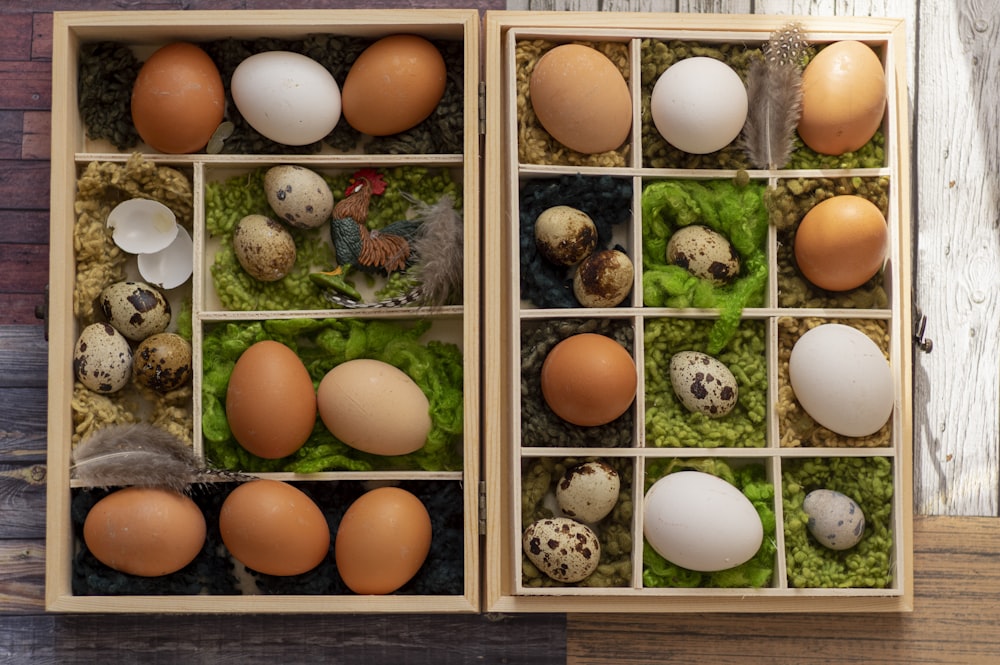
{"x":767,"y":441}
{"x":221,"y":311}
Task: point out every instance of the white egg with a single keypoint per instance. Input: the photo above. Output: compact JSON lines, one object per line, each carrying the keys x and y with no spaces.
{"x":288,"y":97}
{"x":842,"y":379}
{"x":700,"y":522}
{"x":699,"y":105}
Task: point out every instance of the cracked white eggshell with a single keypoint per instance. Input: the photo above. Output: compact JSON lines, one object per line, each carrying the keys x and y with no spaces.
{"x":142,"y":226}
{"x":171,"y":266}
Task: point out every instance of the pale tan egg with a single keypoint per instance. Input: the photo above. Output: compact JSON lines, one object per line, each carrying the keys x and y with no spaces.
{"x":178,"y":99}
{"x":382,"y":541}
{"x":394,"y":85}
{"x":270,"y":401}
{"x":145,"y":531}
{"x":589,"y":379}
{"x":841,"y":242}
{"x":843,"y":98}
{"x":374,"y":407}
{"x":274,"y":528}
{"x":581,"y":99}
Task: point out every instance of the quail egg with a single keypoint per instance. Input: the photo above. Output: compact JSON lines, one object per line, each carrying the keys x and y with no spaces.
{"x":603,"y":279}
{"x":264,"y":248}
{"x":589,"y":491}
{"x":102,"y":358}
{"x":835,"y":519}
{"x":162,"y":362}
{"x":562,"y":548}
{"x":564,"y":235}
{"x":703,"y":383}
{"x":135,"y":309}
{"x":704,"y":253}
{"x":299,"y":196}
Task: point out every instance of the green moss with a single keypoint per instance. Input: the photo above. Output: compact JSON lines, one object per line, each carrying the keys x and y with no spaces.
{"x":867,"y":480}
{"x":669,"y":423}
{"x":751,"y":479}
{"x":436,"y":367}
{"x":735,"y":211}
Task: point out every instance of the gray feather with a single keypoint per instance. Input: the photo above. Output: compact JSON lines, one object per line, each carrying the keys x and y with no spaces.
{"x":774,"y":89}
{"x":139,"y":455}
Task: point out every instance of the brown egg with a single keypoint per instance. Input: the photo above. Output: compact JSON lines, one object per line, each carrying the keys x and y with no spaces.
{"x":843,"y":98}
{"x":274,"y":528}
{"x":394,"y":85}
{"x":841,"y":242}
{"x":270,"y":401}
{"x":382,"y":541}
{"x":375,"y":407}
{"x":178,"y":99}
{"x":588,"y":379}
{"x":145,"y":531}
{"x":581,"y":99}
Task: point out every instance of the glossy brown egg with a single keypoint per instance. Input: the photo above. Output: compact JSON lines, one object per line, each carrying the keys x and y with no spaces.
{"x":589,"y":379}
{"x":382,"y":541}
{"x":270,"y":401}
{"x":274,"y":528}
{"x":393,"y":85}
{"x":178,"y":99}
{"x":145,"y":531}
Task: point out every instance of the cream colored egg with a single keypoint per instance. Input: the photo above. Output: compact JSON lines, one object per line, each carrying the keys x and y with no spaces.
{"x":374,"y":407}
{"x":135,"y":309}
{"x":264,"y":248}
{"x":705,"y":253}
{"x":589,"y":491}
{"x":703,"y":383}
{"x":603,"y":279}
{"x":565,"y":235}
{"x":102,"y":358}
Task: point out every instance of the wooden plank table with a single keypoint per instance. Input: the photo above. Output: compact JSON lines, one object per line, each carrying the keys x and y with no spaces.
{"x":954,"y":92}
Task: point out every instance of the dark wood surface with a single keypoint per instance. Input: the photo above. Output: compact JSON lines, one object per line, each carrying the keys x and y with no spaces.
{"x":957,"y":574}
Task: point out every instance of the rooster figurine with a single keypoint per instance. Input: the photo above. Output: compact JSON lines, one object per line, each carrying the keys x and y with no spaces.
{"x":384,"y":250}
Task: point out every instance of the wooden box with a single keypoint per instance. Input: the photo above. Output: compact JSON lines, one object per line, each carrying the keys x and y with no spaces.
{"x":484,"y":489}
{"x":526,"y":446}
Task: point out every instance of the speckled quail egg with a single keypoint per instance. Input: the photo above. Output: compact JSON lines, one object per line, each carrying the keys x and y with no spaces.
{"x":835,"y":519}
{"x":162,"y":362}
{"x":703,"y":383}
{"x":299,"y":196}
{"x":589,"y":491}
{"x":603,"y":279}
{"x":564,"y":235}
{"x":704,"y":253}
{"x":102,"y":358}
{"x":562,"y":548}
{"x":264,"y":248}
{"x":136,"y":309}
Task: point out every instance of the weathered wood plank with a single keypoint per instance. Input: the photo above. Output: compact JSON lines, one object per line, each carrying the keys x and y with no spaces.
{"x":22,"y":577}
{"x":23,"y":425}
{"x":29,"y":227}
{"x":958,"y":258}
{"x":11,"y":129}
{"x":956,"y":584}
{"x":24,"y":185}
{"x":22,"y":497}
{"x":25,"y":85}
{"x":36,"y":131}
{"x":23,"y":356}
{"x":19,"y":308}
{"x":262,"y":640}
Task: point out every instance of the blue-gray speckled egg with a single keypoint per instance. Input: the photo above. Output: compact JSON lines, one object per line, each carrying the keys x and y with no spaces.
{"x":835,"y":519}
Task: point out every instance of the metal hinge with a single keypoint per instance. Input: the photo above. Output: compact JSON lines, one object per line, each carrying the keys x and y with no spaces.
{"x":921,"y":342}
{"x":482,"y":108}
{"x":482,"y":507}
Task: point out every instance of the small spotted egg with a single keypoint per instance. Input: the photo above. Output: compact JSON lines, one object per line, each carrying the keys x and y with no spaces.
{"x":564,"y":235}
{"x":588,"y":492}
{"x":835,"y":519}
{"x":703,"y":384}
{"x":603,"y":279}
{"x":562,"y":548}
{"x":264,"y":248}
{"x":162,"y":362}
{"x":102,"y":358}
{"x":299,"y":196}
{"x":136,"y":309}
{"x":704,"y":253}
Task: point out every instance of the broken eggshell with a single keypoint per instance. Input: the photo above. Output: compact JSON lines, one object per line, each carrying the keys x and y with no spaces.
{"x":142,"y":226}
{"x":171,"y":266}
